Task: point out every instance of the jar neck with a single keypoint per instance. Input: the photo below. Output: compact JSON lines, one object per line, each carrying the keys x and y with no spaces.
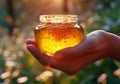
{"x":66,"y":24}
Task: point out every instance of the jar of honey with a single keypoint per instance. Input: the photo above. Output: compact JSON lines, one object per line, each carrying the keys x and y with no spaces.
{"x":56,"y":32}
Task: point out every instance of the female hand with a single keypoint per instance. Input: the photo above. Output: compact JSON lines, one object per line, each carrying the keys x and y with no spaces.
{"x":95,"y":46}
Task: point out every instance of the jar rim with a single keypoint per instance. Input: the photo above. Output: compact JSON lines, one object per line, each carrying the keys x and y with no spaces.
{"x":58,"y":18}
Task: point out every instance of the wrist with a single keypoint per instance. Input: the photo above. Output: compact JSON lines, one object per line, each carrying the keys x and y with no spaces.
{"x":113,"y":46}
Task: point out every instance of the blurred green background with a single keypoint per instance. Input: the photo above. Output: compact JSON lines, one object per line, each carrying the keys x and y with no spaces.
{"x":17,"y":21}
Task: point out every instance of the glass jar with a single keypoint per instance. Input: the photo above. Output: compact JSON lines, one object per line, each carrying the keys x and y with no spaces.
{"x":56,"y":32}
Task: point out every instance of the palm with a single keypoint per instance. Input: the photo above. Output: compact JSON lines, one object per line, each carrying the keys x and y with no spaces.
{"x":71,"y":60}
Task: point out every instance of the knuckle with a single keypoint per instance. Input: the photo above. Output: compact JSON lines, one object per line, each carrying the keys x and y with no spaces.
{"x":98,"y":33}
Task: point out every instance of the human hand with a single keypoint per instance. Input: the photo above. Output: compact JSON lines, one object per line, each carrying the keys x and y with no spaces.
{"x":71,"y":60}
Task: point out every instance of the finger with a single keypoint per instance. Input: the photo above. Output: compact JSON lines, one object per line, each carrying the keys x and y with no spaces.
{"x":43,"y":58}
{"x":31,"y":41}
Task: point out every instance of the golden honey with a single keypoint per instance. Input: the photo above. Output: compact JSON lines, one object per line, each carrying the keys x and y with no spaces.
{"x":56,"y":32}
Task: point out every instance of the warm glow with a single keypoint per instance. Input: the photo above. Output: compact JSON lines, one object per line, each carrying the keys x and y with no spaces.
{"x":58,"y":32}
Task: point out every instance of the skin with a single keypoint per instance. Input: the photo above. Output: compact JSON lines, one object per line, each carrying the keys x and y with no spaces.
{"x":96,"y":45}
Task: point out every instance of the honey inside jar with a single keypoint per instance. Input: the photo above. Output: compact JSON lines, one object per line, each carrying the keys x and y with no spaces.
{"x":57,"y":32}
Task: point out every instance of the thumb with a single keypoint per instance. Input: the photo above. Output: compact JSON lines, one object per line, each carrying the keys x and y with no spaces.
{"x":67,"y":53}
{"x":83,"y":48}
{"x":62,"y":53}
